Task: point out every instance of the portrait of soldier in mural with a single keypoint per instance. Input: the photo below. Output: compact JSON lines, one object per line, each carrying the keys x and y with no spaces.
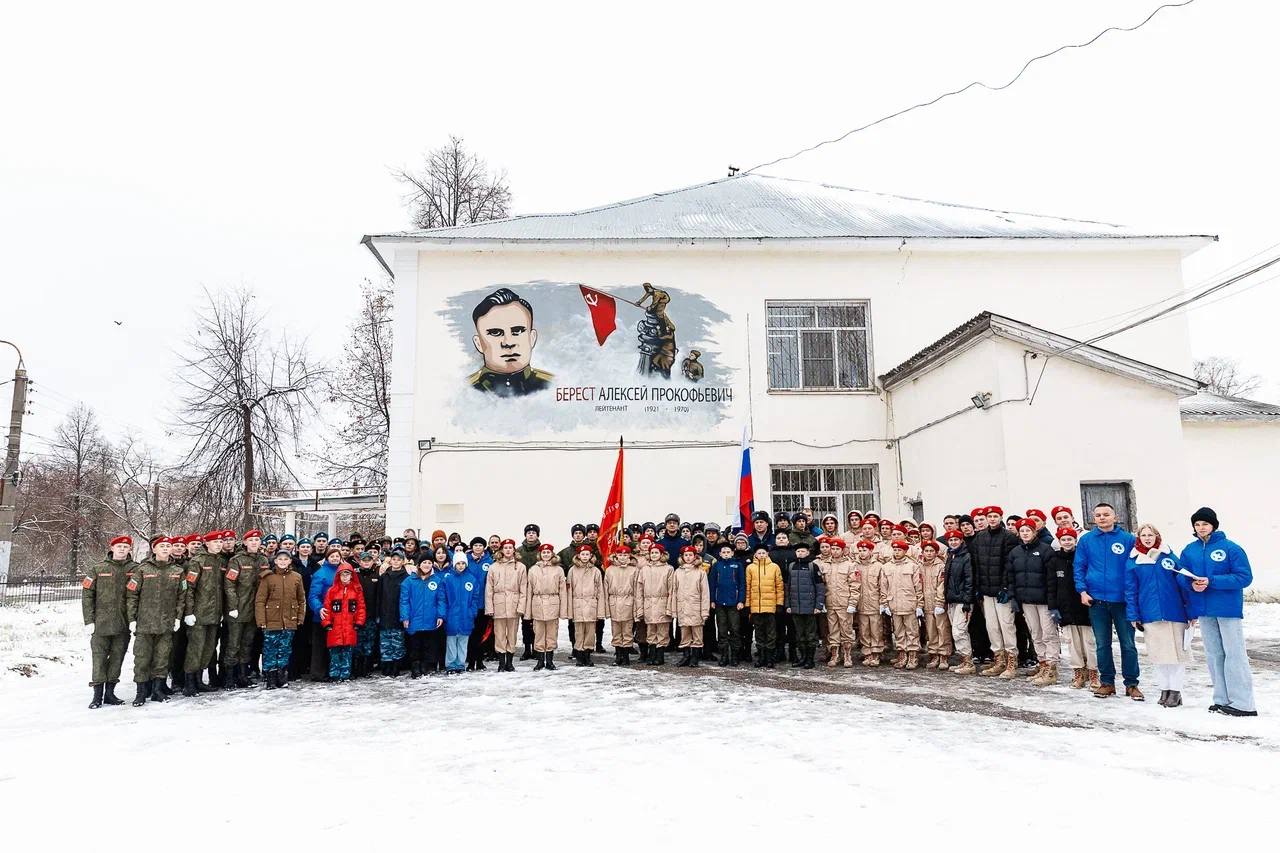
{"x":505,"y":338}
{"x":656,"y":333}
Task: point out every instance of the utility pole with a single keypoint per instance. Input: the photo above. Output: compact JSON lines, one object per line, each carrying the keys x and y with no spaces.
{"x":9,"y":485}
{"x":155,"y":509}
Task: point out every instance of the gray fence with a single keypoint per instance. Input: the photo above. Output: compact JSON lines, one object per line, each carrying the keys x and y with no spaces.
{"x":38,"y":590}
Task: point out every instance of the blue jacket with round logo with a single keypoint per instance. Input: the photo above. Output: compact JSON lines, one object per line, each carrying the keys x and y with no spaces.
{"x":421,"y":602}
{"x":461,"y":602}
{"x":1153,"y":589}
{"x":1100,"y":563}
{"x":1226,"y":566}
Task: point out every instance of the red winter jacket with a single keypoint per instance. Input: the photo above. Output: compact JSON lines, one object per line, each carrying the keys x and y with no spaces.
{"x":344,"y":604}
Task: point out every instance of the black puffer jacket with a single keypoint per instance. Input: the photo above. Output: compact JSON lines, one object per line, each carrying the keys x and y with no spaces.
{"x":805,"y":591}
{"x":1061,"y":573}
{"x":1029,"y":582}
{"x":389,"y":597}
{"x":959,"y":573}
{"x":990,"y":551}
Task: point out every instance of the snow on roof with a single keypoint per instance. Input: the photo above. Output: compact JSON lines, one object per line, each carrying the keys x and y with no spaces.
{"x":1207,"y":406}
{"x":759,"y":207}
{"x":989,"y":325}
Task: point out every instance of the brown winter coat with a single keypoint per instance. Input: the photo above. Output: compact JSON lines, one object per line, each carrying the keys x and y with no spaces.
{"x":875,"y":590}
{"x":693,"y":596}
{"x":621,"y":591}
{"x":587,"y":601}
{"x":281,"y":603}
{"x":905,"y":586}
{"x":657,"y":590}
{"x":547,"y":595}
{"x":935,"y":584}
{"x":506,"y":589}
{"x":844,"y":586}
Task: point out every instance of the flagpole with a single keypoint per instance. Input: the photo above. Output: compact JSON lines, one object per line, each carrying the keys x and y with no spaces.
{"x":611,"y":296}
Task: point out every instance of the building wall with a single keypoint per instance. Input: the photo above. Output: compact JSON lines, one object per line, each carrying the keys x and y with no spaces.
{"x":1234,"y":467}
{"x":915,"y":297}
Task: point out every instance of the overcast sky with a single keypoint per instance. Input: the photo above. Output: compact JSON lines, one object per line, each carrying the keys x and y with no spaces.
{"x":150,"y":153}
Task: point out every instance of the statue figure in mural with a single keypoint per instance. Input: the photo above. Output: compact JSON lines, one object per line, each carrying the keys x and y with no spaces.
{"x":691,"y":367}
{"x":505,"y":338}
{"x":656,"y":332}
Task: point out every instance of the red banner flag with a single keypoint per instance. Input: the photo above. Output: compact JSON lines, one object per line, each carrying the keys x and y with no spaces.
{"x":604,"y":312}
{"x":611,"y":518}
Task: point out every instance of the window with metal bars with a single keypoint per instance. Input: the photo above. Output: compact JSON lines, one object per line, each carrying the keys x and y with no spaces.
{"x":819,"y":346}
{"x":835,"y":489}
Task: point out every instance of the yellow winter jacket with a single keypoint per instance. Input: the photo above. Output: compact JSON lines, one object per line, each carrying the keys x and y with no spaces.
{"x":764,"y":586}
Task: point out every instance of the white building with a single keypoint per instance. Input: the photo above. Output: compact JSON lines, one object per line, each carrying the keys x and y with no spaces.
{"x":852,"y":334}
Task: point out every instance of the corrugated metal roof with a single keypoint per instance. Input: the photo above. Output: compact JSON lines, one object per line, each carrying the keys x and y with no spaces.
{"x":755,"y":207}
{"x":1207,"y":406}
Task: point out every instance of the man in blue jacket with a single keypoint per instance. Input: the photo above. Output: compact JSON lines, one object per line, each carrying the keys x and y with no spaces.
{"x":727,"y":579}
{"x":1099,"y":565}
{"x":1217,"y":600}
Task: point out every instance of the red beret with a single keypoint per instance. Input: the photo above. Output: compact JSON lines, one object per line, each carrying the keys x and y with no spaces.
{"x":213,"y":536}
{"x":621,"y":549}
{"x":929,"y":543}
{"x":954,"y":534}
{"x":1068,"y":531}
{"x":545,"y":546}
{"x":1025,"y":522}
{"x":253,"y":534}
{"x":1036,"y":513}
{"x":836,"y":542}
{"x":899,"y":545}
{"x":585,"y":549}
{"x":228,"y":534}
{"x":977,"y":511}
{"x":865,"y":545}
{"x":510,"y":542}
{"x":1057,"y":509}
{"x":657,"y":545}
{"x":120,"y":540}
{"x":870,"y":516}
{"x":898,"y":528}
{"x":688,"y":549}
{"x":997,"y":510}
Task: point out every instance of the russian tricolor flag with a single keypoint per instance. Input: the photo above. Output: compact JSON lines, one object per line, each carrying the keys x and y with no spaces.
{"x":746,"y":495}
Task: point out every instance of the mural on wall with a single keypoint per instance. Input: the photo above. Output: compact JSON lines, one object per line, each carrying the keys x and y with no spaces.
{"x":559,"y":356}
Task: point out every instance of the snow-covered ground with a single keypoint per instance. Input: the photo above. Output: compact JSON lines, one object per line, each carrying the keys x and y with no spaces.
{"x":604,"y":757}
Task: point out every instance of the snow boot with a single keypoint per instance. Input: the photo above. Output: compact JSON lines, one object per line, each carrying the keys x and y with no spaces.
{"x":1051,"y":676}
{"x":944,"y":663}
{"x":551,"y":660}
{"x":1164,"y":697}
{"x":528,"y":652}
{"x":140,"y":698}
{"x":157,"y":691}
{"x":1094,"y":680}
{"x":216,"y":678}
{"x":1078,"y":678}
{"x":1010,"y":668}
{"x":1174,"y":700}
{"x":109,"y":695}
{"x":201,"y":687}
{"x":913,"y":660}
{"x":966,"y":666}
{"x":617,"y":657}
{"x":480,"y":665}
{"x":97,"y":696}
{"x":833,"y":659}
{"x":997,"y":665}
{"x":846,"y":653}
{"x":759,"y":661}
{"x":1105,"y":691}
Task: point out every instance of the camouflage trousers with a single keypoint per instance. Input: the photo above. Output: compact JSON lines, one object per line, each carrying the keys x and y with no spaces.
{"x":239,"y":645}
{"x":391,"y":644}
{"x":108,"y":656}
{"x":200,"y":643}
{"x":340,"y":662}
{"x":365,"y":637}
{"x":151,"y":656}
{"x":276,"y":647}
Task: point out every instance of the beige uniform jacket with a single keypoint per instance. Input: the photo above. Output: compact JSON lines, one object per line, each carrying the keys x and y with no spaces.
{"x":693,"y":596}
{"x":844,"y":585}
{"x":548,"y":593}
{"x":506,"y":590}
{"x":935,"y":584}
{"x":906,"y":586}
{"x":657,"y":592}
{"x":621,"y":589}
{"x":587,"y":601}
{"x":875,"y":592}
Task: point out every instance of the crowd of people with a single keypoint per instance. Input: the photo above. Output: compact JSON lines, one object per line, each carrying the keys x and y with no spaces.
{"x":984,"y":595}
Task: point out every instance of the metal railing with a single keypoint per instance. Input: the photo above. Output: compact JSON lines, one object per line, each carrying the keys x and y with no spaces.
{"x":38,"y":589}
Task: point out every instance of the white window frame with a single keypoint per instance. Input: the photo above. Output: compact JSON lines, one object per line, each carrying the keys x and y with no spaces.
{"x":822,"y":489}
{"x":870,"y":387}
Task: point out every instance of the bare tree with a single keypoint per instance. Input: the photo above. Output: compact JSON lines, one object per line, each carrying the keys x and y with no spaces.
{"x":84,"y":456}
{"x":1225,"y":376}
{"x":242,"y":405}
{"x":454,"y":187}
{"x":357,"y":451}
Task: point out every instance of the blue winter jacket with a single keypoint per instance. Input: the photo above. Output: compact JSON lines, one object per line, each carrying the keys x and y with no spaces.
{"x":480,"y":569}
{"x":673,"y":544}
{"x":321,"y":580}
{"x":1153,"y":589}
{"x":1226,"y":566}
{"x":421,"y":602}
{"x":1100,"y":562}
{"x":460,"y":602}
{"x":728,"y":582}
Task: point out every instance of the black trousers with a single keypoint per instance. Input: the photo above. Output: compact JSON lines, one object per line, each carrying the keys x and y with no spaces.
{"x":300,"y":657}
{"x":319,"y":653}
{"x":526,"y":631}
{"x":426,"y":648}
{"x":475,"y":643}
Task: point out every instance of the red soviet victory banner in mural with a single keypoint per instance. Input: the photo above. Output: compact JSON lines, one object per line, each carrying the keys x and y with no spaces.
{"x":604,"y":312}
{"x":611,"y":518}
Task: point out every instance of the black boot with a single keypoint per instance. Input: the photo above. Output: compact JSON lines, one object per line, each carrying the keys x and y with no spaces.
{"x":617,"y":657}
{"x":1175,"y":699}
{"x":271,"y":679}
{"x":684,"y":658}
{"x":189,"y":684}
{"x":793,"y":654}
{"x":109,"y":695}
{"x":511,"y":662}
{"x":215,"y":678}
{"x":769,"y":658}
{"x":143,"y":687}
{"x":541,"y":663}
{"x":528,"y":652}
{"x":662,"y":656}
{"x":242,"y":675}
{"x":808,"y":658}
{"x":157,"y":691}
{"x":725,"y":657}
{"x":551,"y":660}
{"x":164,"y":685}
{"x":97,"y":696}
{"x":480,"y":664}
{"x":282,"y":678}
{"x":693,"y":658}
{"x":797,"y":660}
{"x":759,"y":662}
{"x":586,"y":658}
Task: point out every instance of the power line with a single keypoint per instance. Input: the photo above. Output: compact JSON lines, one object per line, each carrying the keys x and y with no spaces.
{"x":971,"y":85}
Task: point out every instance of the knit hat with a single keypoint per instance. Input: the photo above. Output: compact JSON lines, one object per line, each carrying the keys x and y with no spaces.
{"x":1205,"y":514}
{"x":438,"y":534}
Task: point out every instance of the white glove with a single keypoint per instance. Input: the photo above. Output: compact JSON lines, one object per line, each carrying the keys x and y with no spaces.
{"x":88,"y":630}
{"x":919,"y":613}
{"x":176,"y":623}
{"x":938,"y":611}
{"x":234,"y":614}
{"x":190,"y":620}
{"x":133,"y":627}
{"x":851,"y":609}
{"x":884,"y":609}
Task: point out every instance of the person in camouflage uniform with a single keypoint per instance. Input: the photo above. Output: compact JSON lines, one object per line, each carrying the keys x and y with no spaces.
{"x":280,"y":608}
{"x":390,"y":632}
{"x":106,"y":622}
{"x":366,"y":634}
{"x":153,"y":603}
{"x":202,"y":611}
{"x":244,"y":570}
{"x":183,"y":550}
{"x":527,"y":554}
